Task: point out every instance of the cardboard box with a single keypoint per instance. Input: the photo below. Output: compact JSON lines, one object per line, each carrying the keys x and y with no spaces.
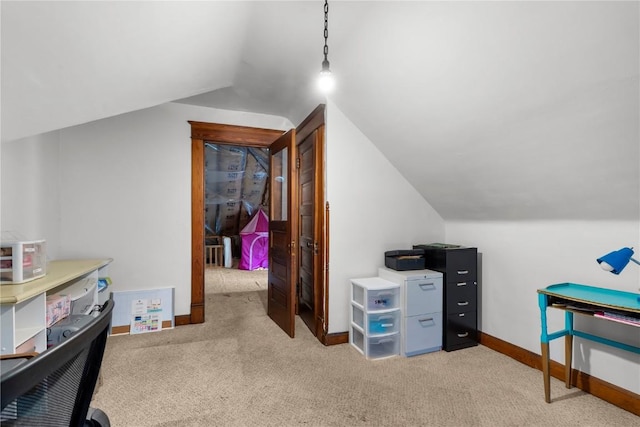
{"x":58,"y":307}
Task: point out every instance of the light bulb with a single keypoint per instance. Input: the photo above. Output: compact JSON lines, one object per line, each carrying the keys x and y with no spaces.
{"x":326,"y":82}
{"x":605,"y":266}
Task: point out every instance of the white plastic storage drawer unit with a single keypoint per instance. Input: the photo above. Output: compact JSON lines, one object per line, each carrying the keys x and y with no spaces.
{"x":375,"y":317}
{"x":421,"y":305}
{"x":22,"y":261}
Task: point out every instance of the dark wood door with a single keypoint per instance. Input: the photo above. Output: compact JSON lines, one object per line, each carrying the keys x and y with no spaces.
{"x":281,"y":302}
{"x":308,"y":250}
{"x":313,"y":228}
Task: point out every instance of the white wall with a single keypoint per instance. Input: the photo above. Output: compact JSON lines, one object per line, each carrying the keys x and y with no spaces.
{"x":29,"y":206}
{"x":373,"y":209}
{"x":520,"y":257}
{"x":118,"y":187}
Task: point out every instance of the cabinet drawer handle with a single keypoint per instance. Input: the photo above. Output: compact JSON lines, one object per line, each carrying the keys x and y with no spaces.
{"x":381,"y":294}
{"x":461,"y":284}
{"x":429,"y":319}
{"x":461,"y":303}
{"x":463,"y":335}
{"x":463,"y":271}
{"x":427,"y":286}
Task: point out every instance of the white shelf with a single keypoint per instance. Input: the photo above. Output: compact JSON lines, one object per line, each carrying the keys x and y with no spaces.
{"x":25,"y":334}
{"x":23,"y":306}
{"x":23,"y":321}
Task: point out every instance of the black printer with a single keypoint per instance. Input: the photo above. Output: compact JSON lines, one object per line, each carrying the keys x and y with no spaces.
{"x":405,"y":259}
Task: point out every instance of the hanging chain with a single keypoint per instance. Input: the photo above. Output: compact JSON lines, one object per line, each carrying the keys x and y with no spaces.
{"x":326,"y":28}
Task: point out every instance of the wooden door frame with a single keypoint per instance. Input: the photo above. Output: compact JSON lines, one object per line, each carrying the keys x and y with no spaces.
{"x":218,"y":134}
{"x":261,"y":138}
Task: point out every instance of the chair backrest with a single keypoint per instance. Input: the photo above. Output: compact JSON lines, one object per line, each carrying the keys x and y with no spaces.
{"x":55,"y":387}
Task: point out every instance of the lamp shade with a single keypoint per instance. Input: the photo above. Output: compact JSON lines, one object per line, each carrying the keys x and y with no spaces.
{"x":616,"y":261}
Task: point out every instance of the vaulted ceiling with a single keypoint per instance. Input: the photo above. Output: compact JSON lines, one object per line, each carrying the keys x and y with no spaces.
{"x":491,"y":110}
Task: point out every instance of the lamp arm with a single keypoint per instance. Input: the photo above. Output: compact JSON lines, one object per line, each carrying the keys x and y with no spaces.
{"x":635,"y":260}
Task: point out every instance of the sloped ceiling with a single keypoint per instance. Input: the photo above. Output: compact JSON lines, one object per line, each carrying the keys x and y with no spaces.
{"x":492,"y":110}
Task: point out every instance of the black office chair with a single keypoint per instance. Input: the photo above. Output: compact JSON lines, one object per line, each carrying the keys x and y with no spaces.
{"x":55,"y":387}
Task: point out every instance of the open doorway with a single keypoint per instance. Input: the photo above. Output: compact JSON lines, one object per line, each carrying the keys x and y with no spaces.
{"x":236,"y":223}
{"x":236,"y":205}
{"x":219,"y":134}
{"x":311,"y":238}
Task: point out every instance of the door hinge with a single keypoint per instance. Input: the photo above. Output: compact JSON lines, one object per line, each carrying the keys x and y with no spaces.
{"x":298,"y":163}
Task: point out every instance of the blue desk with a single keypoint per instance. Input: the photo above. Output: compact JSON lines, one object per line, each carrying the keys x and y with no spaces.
{"x":587,"y":300}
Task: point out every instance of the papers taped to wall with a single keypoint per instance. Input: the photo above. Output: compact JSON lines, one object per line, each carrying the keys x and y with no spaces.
{"x":146,"y":315}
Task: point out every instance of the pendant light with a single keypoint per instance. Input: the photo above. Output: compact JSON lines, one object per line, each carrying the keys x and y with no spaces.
{"x":326,"y":81}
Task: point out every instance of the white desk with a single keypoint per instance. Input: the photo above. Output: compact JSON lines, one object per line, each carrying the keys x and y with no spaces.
{"x":23,"y":306}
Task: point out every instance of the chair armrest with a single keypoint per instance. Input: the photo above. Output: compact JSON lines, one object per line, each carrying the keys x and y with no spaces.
{"x":28,"y":355}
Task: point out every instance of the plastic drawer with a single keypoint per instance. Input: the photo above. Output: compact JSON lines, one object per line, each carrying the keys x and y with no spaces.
{"x":376,"y":323}
{"x":383,"y":299}
{"x":375,"y":347}
{"x":374,"y":293}
{"x":379,"y":347}
{"x":383,"y":323}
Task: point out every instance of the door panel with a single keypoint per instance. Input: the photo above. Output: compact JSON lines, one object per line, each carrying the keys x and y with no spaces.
{"x":281,"y":301}
{"x":307,"y":309}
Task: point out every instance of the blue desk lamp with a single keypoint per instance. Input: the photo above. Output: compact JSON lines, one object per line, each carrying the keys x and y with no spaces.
{"x":616,"y":261}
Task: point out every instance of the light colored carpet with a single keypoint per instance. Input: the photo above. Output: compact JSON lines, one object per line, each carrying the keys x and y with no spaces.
{"x":218,"y":280}
{"x":240,"y":369}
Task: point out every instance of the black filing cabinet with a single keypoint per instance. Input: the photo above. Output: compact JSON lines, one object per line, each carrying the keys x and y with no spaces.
{"x":459,"y":268}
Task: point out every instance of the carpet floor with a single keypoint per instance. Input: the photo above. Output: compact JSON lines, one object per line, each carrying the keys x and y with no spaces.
{"x":239,"y":369}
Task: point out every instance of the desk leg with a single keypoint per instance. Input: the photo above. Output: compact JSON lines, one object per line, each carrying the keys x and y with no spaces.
{"x":545,"y":371}
{"x":568,"y":348}
{"x":544,"y":344}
